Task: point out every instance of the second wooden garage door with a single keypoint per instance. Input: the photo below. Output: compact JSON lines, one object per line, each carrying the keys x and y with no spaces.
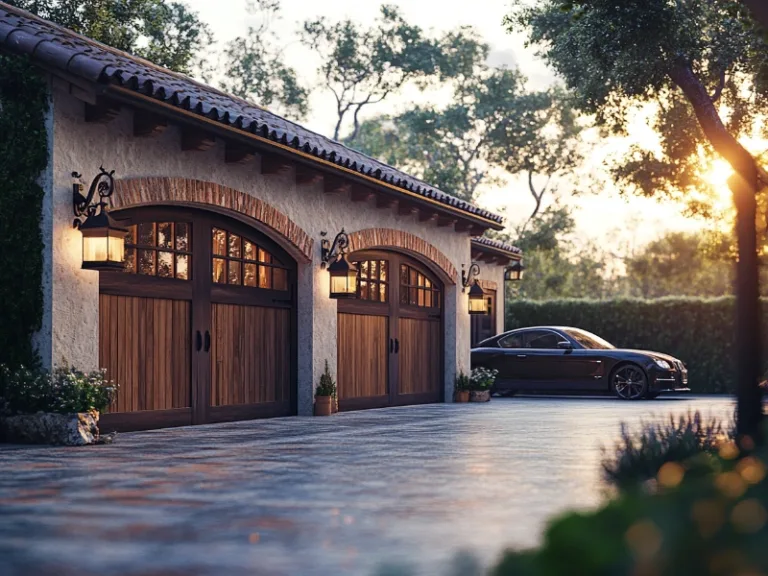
{"x":390,"y":338}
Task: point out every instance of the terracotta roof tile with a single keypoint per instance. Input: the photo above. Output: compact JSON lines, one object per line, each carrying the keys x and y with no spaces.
{"x":483,"y":241}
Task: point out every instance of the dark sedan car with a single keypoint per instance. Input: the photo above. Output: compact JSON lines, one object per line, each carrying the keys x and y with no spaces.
{"x":562,"y":359}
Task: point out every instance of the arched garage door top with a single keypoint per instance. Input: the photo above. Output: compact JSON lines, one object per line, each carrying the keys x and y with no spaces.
{"x":371,"y":238}
{"x":132,"y":192}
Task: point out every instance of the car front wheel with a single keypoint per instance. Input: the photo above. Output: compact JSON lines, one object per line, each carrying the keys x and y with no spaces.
{"x":629,"y":382}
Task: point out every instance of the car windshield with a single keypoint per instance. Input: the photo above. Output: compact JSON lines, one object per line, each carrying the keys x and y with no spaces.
{"x":588,"y":340}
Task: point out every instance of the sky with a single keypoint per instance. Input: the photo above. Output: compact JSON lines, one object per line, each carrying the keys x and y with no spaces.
{"x":618,"y":224}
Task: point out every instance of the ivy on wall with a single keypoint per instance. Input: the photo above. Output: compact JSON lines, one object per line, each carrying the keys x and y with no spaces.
{"x":23,"y":156}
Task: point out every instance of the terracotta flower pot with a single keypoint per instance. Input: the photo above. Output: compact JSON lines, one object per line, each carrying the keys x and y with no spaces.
{"x":323,"y":405}
{"x":479,"y":395}
{"x":462,"y":396}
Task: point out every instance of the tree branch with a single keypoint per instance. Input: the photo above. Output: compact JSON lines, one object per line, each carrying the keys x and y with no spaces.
{"x":712,"y":125}
{"x":720,"y":85}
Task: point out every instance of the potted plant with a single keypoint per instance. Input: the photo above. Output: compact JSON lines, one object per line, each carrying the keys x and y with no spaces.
{"x":59,"y":406}
{"x":325,"y":394}
{"x":481,"y":382}
{"x":462,"y":387}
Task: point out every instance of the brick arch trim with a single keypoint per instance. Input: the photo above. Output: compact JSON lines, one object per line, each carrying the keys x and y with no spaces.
{"x":387,"y":238}
{"x":131,"y":192}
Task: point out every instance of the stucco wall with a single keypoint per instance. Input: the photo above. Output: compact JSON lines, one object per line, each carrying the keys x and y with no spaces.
{"x":74,"y":293}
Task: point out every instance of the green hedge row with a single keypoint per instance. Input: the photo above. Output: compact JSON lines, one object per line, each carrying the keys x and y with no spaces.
{"x":698,"y":331}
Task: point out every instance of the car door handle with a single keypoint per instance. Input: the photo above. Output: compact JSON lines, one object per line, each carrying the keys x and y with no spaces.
{"x":207,"y":340}
{"x":198,"y":341}
{"x":522,"y":355}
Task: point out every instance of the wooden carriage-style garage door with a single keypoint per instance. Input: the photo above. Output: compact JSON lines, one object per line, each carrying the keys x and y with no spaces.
{"x":390,"y":338}
{"x":200,"y":327}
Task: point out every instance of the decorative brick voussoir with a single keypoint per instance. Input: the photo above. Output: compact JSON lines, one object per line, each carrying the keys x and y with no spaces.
{"x":389,"y":238}
{"x":132,"y":192}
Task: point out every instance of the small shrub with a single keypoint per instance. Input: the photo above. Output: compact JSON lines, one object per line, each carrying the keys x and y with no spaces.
{"x":63,"y":390}
{"x":463,"y":382}
{"x":327,"y":386}
{"x":482,"y":378}
{"x":636,"y":459}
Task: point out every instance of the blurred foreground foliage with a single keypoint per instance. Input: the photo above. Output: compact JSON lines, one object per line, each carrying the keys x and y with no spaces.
{"x":701,"y":515}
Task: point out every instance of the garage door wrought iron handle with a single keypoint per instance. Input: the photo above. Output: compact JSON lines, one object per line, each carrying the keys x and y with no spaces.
{"x":397,"y":346}
{"x":198,"y":341}
{"x":207,"y":340}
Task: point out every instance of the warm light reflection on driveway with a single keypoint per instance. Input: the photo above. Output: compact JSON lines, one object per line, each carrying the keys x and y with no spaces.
{"x":306,"y":496}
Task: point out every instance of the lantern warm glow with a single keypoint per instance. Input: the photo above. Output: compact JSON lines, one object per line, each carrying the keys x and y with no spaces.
{"x":103,"y":243}
{"x":477,"y":300}
{"x":343,"y":278}
{"x":514,"y":272}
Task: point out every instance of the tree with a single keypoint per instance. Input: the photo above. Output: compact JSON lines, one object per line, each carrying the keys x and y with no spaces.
{"x":166,"y":33}
{"x":493,"y":125}
{"x":702,"y":66}
{"x":679,"y":264}
{"x":362,"y":67}
{"x":555,"y":266}
{"x":255,"y":69}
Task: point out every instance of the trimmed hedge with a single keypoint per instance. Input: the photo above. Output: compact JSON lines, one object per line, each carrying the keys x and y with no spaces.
{"x":698,"y":331}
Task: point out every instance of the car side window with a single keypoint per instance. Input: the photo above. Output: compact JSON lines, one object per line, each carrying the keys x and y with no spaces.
{"x":512,"y":341}
{"x":543,"y":340}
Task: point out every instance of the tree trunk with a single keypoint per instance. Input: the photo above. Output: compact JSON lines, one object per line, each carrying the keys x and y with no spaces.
{"x":745,"y":185}
{"x":749,"y":396}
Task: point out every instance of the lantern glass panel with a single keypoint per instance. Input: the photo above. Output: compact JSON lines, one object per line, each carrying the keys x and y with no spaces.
{"x":477,"y":305}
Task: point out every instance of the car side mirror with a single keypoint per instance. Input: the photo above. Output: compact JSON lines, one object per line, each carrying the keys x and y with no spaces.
{"x":565,"y":345}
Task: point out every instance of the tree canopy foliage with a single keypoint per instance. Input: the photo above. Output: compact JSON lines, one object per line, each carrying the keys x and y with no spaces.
{"x":166,"y":33}
{"x":699,"y":68}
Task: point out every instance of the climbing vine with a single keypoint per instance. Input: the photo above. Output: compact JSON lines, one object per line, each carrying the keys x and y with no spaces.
{"x":23,"y":157}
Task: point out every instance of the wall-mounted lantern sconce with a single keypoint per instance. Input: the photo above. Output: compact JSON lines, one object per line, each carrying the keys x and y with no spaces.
{"x":514,"y":271}
{"x":103,"y":238}
{"x":342,"y":272}
{"x":476,"y":294}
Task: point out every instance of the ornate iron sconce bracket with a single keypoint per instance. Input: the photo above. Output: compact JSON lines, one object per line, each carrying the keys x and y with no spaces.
{"x":331,"y":251}
{"x":466,"y":278}
{"x":84,"y":206}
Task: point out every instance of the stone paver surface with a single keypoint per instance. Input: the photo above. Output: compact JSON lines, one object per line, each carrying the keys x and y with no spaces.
{"x":350,"y":494}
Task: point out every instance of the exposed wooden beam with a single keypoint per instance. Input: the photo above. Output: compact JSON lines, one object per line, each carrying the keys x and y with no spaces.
{"x":307,"y":176}
{"x":361,"y":194}
{"x":237,"y":154}
{"x":405,"y":209}
{"x":195,"y":140}
{"x":385,"y":202}
{"x":443,"y":221}
{"x":146,"y":124}
{"x":427,"y":216}
{"x":273,"y":164}
{"x":101,"y":112}
{"x":489,"y":258}
{"x":335,"y":185}
{"x":462,"y":226}
{"x":476,"y":230}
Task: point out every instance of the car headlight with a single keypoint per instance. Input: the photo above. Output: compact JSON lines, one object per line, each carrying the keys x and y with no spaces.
{"x":662,"y":364}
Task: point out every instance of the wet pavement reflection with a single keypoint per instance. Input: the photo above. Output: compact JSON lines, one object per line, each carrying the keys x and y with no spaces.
{"x":343,"y":495}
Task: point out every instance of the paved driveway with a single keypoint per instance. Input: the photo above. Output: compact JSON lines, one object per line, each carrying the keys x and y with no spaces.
{"x":305,"y":496}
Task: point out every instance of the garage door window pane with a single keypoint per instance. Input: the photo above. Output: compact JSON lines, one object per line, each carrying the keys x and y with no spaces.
{"x":158,"y":249}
